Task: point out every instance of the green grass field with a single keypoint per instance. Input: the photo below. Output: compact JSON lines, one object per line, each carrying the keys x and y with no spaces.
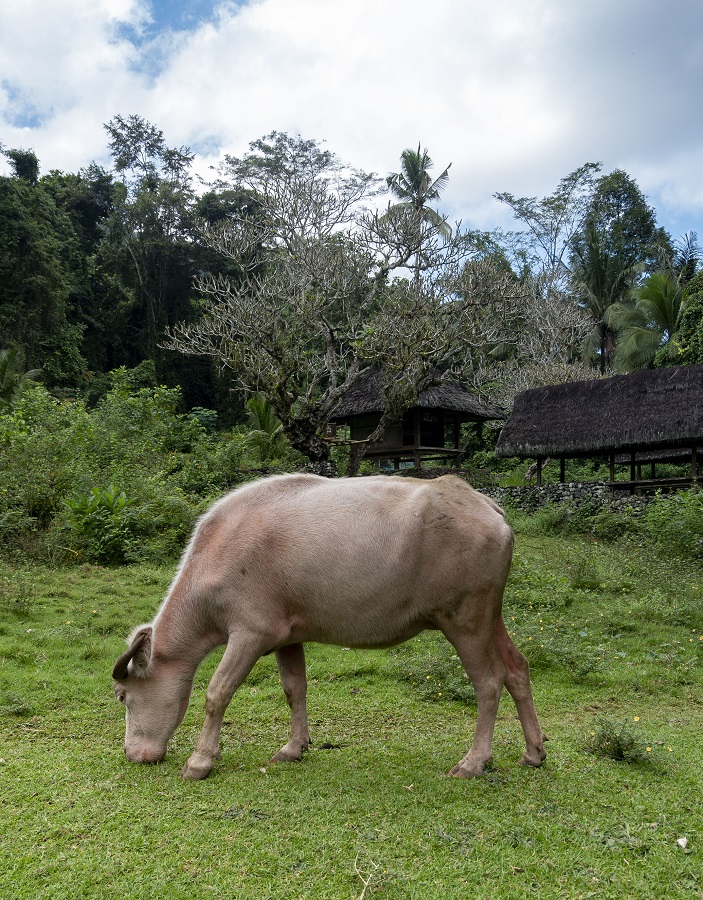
{"x":614,"y":634}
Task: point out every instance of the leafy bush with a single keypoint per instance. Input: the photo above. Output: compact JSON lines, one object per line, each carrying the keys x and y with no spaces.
{"x":60,"y":459}
{"x":600,"y":521}
{"x":53,"y":453}
{"x":43,"y":446}
{"x":101,"y":525}
{"x":675,"y":523}
{"x":616,"y":741}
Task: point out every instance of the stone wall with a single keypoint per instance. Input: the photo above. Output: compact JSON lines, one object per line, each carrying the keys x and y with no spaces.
{"x":575,"y":493}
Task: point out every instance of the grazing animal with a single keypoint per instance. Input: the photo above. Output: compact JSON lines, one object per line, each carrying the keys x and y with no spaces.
{"x":358,"y":562}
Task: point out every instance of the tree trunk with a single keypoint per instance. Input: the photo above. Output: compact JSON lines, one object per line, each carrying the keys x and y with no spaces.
{"x":304,"y":437}
{"x":358,"y":451}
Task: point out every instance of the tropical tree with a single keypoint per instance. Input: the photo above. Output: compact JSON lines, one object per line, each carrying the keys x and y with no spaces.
{"x":322,"y":294}
{"x":540,"y":251}
{"x":13,"y":381}
{"x":415,"y":188}
{"x":266,"y":429}
{"x":646,"y":327}
{"x":148,"y":235}
{"x":685,"y":259}
{"x":37,"y":246}
{"x":600,"y":278}
{"x":619,"y":212}
{"x":648,"y":324}
{"x":686,"y":347}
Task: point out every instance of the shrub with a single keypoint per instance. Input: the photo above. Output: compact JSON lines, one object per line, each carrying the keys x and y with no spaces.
{"x":616,"y":741}
{"x":54,"y":453}
{"x":101,"y":526}
{"x":601,"y":521}
{"x":675,"y":523}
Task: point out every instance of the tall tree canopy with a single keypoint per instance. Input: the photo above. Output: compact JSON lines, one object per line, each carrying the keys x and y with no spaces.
{"x":625,"y":222}
{"x":37,"y":247}
{"x":540,"y":251}
{"x":325,"y":293}
{"x":149,"y":232}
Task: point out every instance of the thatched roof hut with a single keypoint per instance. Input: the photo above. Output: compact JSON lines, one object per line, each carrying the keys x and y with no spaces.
{"x":429,"y":430}
{"x":653,"y":415}
{"x":366,"y":396}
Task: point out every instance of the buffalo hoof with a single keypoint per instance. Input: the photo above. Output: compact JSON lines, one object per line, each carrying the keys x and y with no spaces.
{"x":466,"y":769}
{"x":290,"y":753}
{"x":191,"y":771}
{"x":533,"y":758}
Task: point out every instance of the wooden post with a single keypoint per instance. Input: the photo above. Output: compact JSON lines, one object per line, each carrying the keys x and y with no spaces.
{"x":457,"y":441}
{"x":694,"y":464}
{"x":539,"y":471}
{"x":416,"y":439}
{"x":633,"y":471}
{"x":612,"y":472}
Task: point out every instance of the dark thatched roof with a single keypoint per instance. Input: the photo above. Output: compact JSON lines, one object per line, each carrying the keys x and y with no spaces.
{"x":366,"y":396}
{"x":651,"y":410}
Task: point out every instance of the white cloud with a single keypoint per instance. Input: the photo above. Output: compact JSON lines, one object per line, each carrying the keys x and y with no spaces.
{"x":516,"y":94}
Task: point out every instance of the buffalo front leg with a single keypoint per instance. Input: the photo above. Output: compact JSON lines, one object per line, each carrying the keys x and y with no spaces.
{"x":236,"y":663}
{"x":517,"y":681}
{"x":291,"y":665}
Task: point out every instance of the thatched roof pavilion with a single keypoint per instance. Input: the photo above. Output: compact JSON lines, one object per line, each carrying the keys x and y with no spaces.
{"x":654,"y":415}
{"x":429,"y":430}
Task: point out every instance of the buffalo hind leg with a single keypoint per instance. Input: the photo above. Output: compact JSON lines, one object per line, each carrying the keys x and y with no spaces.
{"x":291,"y":666}
{"x":236,"y":663}
{"x":517,"y":681}
{"x":487,"y":673}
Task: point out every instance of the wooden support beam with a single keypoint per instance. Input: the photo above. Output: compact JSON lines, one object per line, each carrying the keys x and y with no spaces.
{"x":694,"y":464}
{"x":457,"y":440}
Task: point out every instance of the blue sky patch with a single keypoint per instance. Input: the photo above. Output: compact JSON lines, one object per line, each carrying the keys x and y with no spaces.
{"x":180,"y":15}
{"x":167,"y":17}
{"x":20,"y":112}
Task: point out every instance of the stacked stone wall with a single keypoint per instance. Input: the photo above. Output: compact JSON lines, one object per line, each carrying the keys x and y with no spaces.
{"x":576,"y":494}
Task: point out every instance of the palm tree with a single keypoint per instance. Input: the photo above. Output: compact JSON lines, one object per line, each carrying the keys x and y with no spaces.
{"x":646,"y":325}
{"x":12,"y":381}
{"x":414,"y":187}
{"x":266,"y":429}
{"x":683,"y":263}
{"x":601,"y":278}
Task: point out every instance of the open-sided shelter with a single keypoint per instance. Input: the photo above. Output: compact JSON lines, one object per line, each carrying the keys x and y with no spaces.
{"x":431,"y":429}
{"x":647,"y":417}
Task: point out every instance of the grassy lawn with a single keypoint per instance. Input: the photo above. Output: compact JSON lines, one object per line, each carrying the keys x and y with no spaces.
{"x":614,"y":636}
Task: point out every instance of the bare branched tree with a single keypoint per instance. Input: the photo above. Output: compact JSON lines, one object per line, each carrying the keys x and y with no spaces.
{"x":329,"y":288}
{"x":541,"y":250}
{"x":547,"y":348}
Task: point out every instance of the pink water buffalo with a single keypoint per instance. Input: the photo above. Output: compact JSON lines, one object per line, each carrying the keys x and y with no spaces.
{"x":359,"y":562}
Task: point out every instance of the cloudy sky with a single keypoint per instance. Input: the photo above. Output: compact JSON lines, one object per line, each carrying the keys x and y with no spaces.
{"x":514,"y":93}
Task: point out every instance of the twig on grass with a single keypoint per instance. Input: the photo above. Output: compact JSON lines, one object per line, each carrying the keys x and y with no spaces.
{"x":365,"y":881}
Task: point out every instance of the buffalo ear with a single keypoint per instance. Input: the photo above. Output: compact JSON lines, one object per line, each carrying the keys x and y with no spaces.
{"x":139,"y":654}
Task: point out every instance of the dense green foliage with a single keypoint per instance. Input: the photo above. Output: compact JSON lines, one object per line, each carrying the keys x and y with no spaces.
{"x":109,"y":461}
{"x":123,"y":481}
{"x":686,"y":347}
{"x":97,"y":266}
